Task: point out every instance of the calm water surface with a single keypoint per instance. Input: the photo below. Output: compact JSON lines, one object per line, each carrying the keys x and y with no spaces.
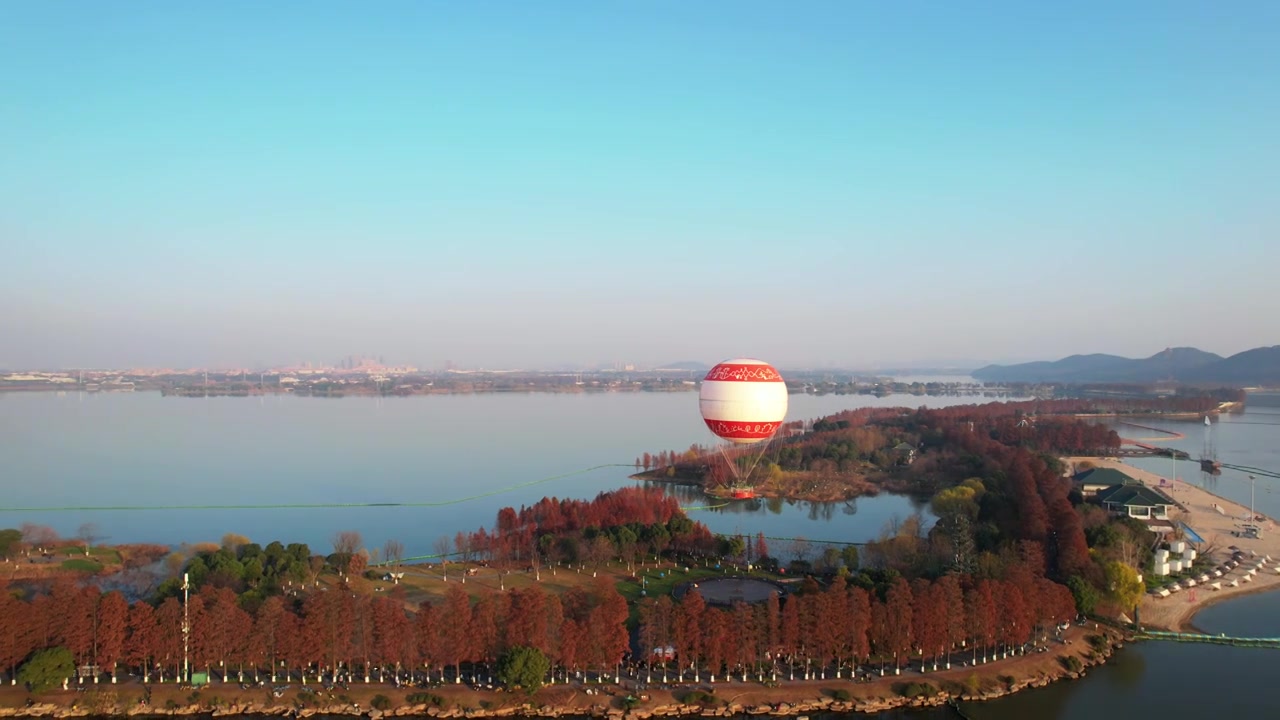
{"x":142,"y":449}
{"x":1249,"y":439}
{"x":1170,"y":681}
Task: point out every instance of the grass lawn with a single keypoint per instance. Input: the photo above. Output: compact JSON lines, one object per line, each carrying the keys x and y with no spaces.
{"x":82,"y":564}
{"x":111,"y":556}
{"x":107,"y":555}
{"x":427,"y":581}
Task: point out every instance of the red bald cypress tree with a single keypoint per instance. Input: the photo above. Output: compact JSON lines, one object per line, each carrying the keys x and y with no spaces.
{"x":455,"y":629}
{"x":608,"y":624}
{"x":262,"y":647}
{"x":113,"y":628}
{"x":488,"y":618}
{"x":426,"y":632}
{"x":16,"y":633}
{"x":928,"y":620}
{"x":141,"y":638}
{"x":715,"y":640}
{"x":168,"y":639}
{"x":859,"y":624}
{"x":951,"y":597}
{"x":790,"y":634}
{"x":899,"y":618}
{"x":746,"y":639}
{"x":688,"y":633}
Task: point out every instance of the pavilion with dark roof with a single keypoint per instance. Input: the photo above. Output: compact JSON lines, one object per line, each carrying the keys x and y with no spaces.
{"x":1137,"y":501}
{"x":1092,"y":481}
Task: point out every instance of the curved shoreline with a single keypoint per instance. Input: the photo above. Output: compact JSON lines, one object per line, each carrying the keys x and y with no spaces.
{"x":1213,"y":517}
{"x":1189,"y":623}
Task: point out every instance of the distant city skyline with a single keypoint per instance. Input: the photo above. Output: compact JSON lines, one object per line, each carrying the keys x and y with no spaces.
{"x":822,"y":184}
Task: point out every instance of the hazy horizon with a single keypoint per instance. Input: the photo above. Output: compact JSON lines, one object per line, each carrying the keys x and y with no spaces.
{"x":819,"y":184}
{"x":905,"y":367}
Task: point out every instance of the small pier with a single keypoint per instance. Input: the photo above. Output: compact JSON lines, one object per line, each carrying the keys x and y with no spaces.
{"x":1139,"y":449}
{"x":1272,"y":643}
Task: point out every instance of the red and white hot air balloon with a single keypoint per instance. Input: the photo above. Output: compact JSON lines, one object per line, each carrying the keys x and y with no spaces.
{"x":743,"y":401}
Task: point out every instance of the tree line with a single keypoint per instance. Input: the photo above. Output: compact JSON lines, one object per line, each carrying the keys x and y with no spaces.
{"x":620,"y":523}
{"x":315,"y":633}
{"x":817,"y":631}
{"x":814,"y":632}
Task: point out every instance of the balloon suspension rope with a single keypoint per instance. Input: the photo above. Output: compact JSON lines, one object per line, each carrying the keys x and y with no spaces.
{"x":738,"y":475}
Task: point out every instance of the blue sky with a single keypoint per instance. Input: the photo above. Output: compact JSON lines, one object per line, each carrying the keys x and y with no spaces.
{"x":531,"y":184}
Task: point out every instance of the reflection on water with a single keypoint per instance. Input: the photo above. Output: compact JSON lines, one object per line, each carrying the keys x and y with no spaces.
{"x":856,"y":521}
{"x":1128,"y":672}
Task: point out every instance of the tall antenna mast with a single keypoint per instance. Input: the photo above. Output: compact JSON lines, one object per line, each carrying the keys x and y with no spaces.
{"x":186,"y":627}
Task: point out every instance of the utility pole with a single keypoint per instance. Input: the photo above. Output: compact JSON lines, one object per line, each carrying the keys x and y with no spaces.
{"x":186,"y":628}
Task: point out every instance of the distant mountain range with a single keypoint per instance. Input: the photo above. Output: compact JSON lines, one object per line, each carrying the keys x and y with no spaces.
{"x":1259,"y":366}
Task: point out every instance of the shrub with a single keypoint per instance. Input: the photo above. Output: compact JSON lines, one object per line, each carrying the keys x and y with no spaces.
{"x":100,"y":702}
{"x":1072,"y":663}
{"x":1097,"y":642}
{"x":697,"y":697}
{"x":916,"y":689}
{"x":380,"y":702}
{"x":425,"y":698}
{"x":840,"y":695}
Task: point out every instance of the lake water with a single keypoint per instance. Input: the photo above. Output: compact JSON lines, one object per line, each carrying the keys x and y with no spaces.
{"x":144,"y":450}
{"x":1170,"y":681}
{"x":1248,"y":439}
